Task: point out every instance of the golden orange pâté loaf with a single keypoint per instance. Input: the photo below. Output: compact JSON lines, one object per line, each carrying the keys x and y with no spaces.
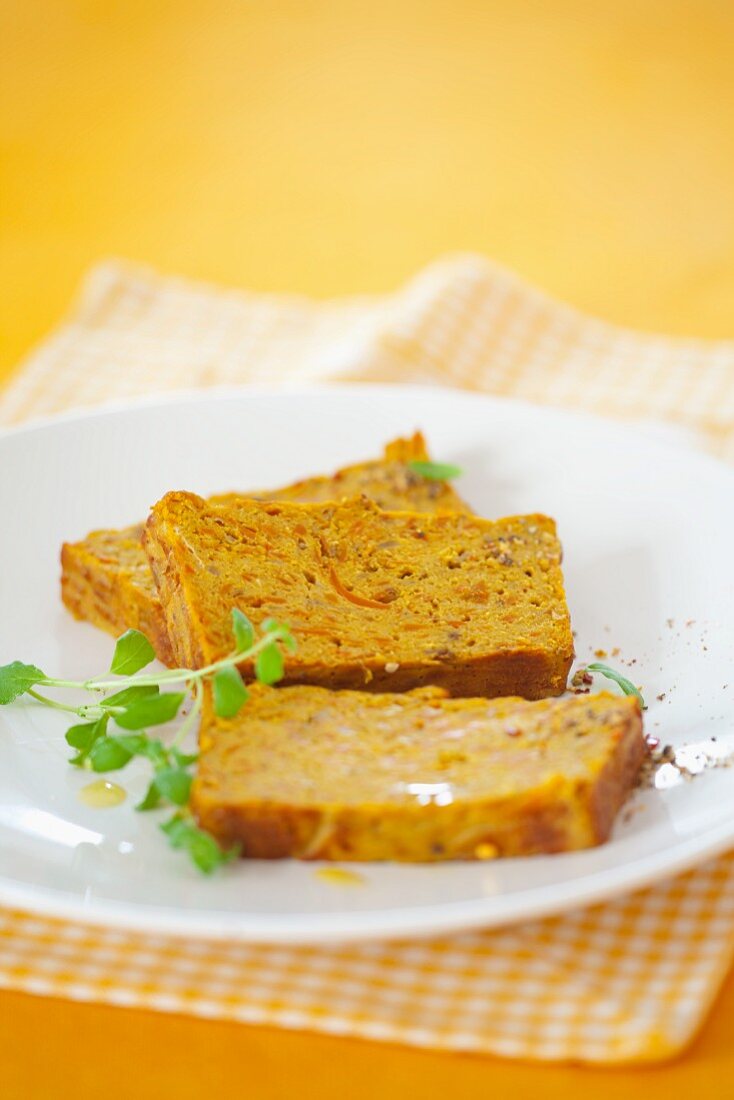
{"x":376,"y":600}
{"x":318,"y":774}
{"x":106,"y":580}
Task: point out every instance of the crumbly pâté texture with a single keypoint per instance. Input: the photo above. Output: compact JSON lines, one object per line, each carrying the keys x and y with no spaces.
{"x":377,"y":600}
{"x":106,"y":580}
{"x":316,"y":774}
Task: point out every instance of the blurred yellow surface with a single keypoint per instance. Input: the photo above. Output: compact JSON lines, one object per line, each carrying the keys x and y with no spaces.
{"x":331,"y":148}
{"x":335,"y":147}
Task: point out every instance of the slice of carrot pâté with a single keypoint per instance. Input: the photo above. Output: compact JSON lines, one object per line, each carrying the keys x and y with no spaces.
{"x":317,"y":774}
{"x":376,"y":600}
{"x":106,"y":580}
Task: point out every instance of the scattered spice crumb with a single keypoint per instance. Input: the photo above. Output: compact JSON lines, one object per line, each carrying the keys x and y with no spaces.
{"x":600,"y":653}
{"x":661,"y":696}
{"x":667,"y":766}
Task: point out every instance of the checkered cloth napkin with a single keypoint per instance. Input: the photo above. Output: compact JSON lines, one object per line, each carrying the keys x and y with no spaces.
{"x":627,"y":981}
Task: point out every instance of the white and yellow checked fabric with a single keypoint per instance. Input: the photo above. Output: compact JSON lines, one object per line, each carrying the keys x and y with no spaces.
{"x":631,"y":980}
{"x":460,"y":322}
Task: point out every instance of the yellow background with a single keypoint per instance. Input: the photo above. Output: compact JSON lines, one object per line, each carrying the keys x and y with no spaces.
{"x":331,"y":148}
{"x":335,"y":147}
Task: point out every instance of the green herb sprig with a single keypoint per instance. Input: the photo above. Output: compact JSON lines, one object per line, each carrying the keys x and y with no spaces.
{"x":435,"y":471}
{"x":134,"y":701}
{"x":626,"y":685}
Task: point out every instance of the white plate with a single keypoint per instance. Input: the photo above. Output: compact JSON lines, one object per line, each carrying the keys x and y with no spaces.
{"x":647,"y":529}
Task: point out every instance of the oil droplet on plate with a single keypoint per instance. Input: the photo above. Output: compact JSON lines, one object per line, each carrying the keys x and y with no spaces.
{"x":102,"y":794}
{"x":339,"y":876}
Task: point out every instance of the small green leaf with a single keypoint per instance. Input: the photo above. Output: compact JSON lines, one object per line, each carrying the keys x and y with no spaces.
{"x":16,"y":678}
{"x":133,"y":651}
{"x":206,"y":854}
{"x":156,"y":752}
{"x":174,"y":784}
{"x":108,"y":755}
{"x":83,"y":738}
{"x":152,"y":799}
{"x":626,"y":685}
{"x":269,"y":665}
{"x":152,"y":711}
{"x":436,"y":471}
{"x":184,"y":759}
{"x":137,"y":744}
{"x":229,"y":693}
{"x":242,"y":628}
{"x":176,"y":829}
{"x":202,"y":848}
{"x":130,"y":695}
{"x":140,"y":744}
{"x":282,"y":632}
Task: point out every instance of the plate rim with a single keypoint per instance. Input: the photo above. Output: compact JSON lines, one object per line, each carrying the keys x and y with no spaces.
{"x":666,"y":434}
{"x":365,"y":926}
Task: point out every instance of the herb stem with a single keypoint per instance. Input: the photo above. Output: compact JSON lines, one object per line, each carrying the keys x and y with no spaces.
{"x":52,"y":703}
{"x":624,"y":683}
{"x":177,"y":675}
{"x":190,"y":719}
{"x":173,"y":676}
